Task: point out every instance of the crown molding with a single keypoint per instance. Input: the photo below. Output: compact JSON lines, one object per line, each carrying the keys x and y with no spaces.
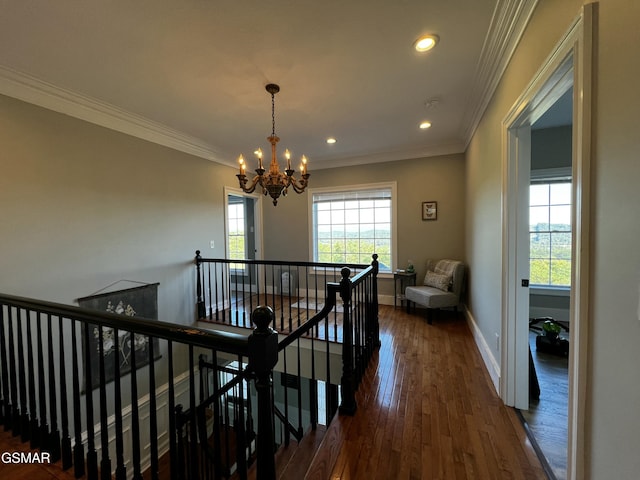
{"x":46,"y":95}
{"x":509,"y":21}
{"x":389,"y":156}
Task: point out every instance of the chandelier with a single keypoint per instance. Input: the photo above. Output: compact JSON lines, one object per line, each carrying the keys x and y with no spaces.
{"x":274,"y":182}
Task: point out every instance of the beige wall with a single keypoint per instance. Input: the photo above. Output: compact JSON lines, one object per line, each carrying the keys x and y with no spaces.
{"x":613,"y":381}
{"x":82,"y":207}
{"x":286,"y":232}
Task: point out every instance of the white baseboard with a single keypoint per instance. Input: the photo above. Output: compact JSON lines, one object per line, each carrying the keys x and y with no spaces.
{"x":493,"y":367}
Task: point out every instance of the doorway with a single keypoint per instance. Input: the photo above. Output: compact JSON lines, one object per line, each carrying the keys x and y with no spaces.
{"x":242,"y":221}
{"x":550,"y":232}
{"x":243,"y":231}
{"x":568,"y":68}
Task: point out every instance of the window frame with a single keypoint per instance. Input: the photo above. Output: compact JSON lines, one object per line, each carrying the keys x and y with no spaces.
{"x":392,"y":186}
{"x":548,"y":177}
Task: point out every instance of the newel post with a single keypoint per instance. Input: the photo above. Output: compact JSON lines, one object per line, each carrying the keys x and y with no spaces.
{"x":374,"y":301}
{"x":348,"y":405}
{"x":263,"y":357}
{"x":200,"y":301}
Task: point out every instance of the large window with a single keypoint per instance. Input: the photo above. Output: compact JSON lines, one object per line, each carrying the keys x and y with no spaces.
{"x":352,"y":224}
{"x":550,"y":233}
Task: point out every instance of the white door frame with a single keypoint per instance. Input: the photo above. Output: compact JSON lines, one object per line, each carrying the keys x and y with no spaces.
{"x":569,"y":63}
{"x":257,"y":219}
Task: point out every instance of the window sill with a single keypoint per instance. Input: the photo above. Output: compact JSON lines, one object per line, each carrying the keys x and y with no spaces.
{"x":549,"y":290}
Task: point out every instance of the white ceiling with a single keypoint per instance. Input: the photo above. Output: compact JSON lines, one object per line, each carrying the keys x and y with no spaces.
{"x":190,"y":74}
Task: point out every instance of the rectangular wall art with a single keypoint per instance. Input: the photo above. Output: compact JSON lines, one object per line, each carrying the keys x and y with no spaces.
{"x":133,"y":302}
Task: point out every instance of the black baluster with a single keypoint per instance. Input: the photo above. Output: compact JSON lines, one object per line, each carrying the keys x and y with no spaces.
{"x":43,"y":428}
{"x":193,"y":458}
{"x":313,"y":394}
{"x":215,"y":278}
{"x":181,"y":465}
{"x":173,"y":447}
{"x":241,"y":441}
{"x":230,"y":293}
{"x":105,"y":461}
{"x":65,"y":441}
{"x":92,"y":454}
{"x":6,"y":399}
{"x":244,"y":294}
{"x":121,"y":470}
{"x":200,"y":302}
{"x":235,"y":286}
{"x":78,"y":449}
{"x":22,"y":382}
{"x":210,"y":293}
{"x":135,"y":412}
{"x":153,"y":418}
{"x":374,"y":297}
{"x":34,"y":441}
{"x":53,"y":441}
{"x":217,"y":442}
{"x":300,"y":429}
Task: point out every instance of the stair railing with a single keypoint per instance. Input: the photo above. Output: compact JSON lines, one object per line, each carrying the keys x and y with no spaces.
{"x":46,"y":394}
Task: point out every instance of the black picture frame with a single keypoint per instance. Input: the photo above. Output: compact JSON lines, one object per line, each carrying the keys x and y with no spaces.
{"x":133,"y":302}
{"x":429,"y":210}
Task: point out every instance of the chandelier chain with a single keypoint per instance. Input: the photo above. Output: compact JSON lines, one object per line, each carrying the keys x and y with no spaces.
{"x":273,"y":114}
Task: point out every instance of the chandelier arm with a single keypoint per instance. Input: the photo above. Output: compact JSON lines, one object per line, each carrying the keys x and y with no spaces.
{"x":299,"y":186}
{"x":242,"y":179}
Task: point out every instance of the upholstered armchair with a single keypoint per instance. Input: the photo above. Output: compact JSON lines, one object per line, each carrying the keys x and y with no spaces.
{"x":442,"y":287}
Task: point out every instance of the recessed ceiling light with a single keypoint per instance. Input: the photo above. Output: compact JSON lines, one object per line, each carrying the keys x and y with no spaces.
{"x":331,"y":140}
{"x":425,"y":125}
{"x":425,"y":42}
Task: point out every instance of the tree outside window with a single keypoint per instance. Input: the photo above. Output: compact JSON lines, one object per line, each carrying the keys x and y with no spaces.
{"x":550,"y":233}
{"x":349,"y":226}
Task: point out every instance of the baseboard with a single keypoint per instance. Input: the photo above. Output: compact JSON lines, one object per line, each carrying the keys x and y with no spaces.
{"x":493,"y":367}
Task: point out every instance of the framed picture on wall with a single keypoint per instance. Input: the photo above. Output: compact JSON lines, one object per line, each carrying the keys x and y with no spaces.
{"x":132,"y":302}
{"x":429,"y":210}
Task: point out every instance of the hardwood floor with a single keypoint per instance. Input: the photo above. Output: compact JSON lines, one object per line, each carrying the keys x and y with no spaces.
{"x":426,"y":410}
{"x":547,"y":417}
{"x":26,"y":471}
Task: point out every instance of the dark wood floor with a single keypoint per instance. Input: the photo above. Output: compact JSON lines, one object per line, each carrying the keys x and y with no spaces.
{"x":290,"y":313}
{"x":547,"y":418}
{"x":426,"y":410}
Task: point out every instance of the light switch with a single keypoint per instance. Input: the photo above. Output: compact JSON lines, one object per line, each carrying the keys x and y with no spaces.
{"x":213,"y":244}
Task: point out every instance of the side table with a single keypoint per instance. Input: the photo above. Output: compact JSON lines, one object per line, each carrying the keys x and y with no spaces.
{"x":405,"y":279}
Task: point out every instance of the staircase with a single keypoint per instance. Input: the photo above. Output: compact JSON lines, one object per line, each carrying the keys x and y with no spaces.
{"x":107,"y":394}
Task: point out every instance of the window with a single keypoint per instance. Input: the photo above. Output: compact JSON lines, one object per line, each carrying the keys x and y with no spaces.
{"x":236,"y":236}
{"x":353,"y":223}
{"x":550,"y":233}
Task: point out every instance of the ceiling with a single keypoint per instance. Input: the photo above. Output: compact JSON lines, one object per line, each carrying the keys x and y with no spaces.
{"x":191,"y":74}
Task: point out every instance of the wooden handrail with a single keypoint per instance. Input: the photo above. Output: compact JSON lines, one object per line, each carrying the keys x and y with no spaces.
{"x":64,"y":332}
{"x":200,"y":337}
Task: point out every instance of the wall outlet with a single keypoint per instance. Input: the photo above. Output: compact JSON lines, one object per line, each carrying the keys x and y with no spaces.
{"x":213,"y":244}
